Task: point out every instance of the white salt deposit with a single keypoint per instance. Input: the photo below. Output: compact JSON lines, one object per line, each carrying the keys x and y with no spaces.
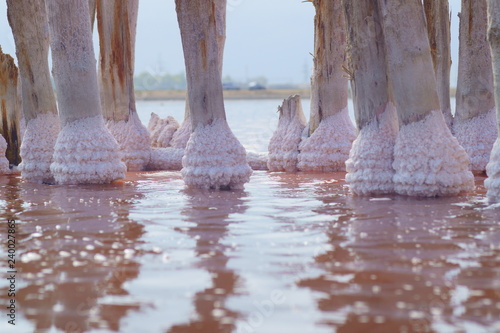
{"x":181,"y":136}
{"x":166,"y":159}
{"x":477,"y":136}
{"x":257,"y":161}
{"x":162,"y":130}
{"x":86,"y":153}
{"x":328,"y":147}
{"x":214,"y":158}
{"x":134,"y":141}
{"x":284,"y":144}
{"x":429,"y":161}
{"x":369,"y":167}
{"x":37,"y":148}
{"x":4,"y":163}
{"x":492,"y":183}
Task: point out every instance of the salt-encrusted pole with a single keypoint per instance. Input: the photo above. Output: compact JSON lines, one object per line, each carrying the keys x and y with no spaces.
{"x":493,"y":167}
{"x":117,"y":22}
{"x":427,"y":159}
{"x":437,"y":13}
{"x":331,"y":131}
{"x":92,"y":10}
{"x":214,"y":158}
{"x":475,"y":119}
{"x":9,"y":113}
{"x":28,"y":20}
{"x":369,"y":167}
{"x":85,"y":150}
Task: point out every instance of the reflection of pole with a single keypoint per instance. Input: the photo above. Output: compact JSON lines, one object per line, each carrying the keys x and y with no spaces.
{"x":210,"y":230}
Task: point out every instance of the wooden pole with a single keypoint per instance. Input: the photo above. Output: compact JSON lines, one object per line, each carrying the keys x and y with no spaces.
{"x":493,"y":167}
{"x":28,"y":20}
{"x":9,"y":111}
{"x":117,"y":22}
{"x":329,"y":90}
{"x":331,"y":132}
{"x":214,"y":158}
{"x":475,"y":119}
{"x":85,"y":151}
{"x":369,"y":165}
{"x":437,"y":13}
{"x":428,"y":161}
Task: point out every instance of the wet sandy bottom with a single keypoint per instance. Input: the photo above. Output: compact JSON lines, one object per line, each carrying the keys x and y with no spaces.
{"x":290,"y":253}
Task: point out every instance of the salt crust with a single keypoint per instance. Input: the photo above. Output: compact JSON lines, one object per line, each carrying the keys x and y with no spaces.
{"x":4,"y":163}
{"x":214,"y":158}
{"x":492,"y":183}
{"x":477,"y":136}
{"x":369,"y":167}
{"x":429,"y":161}
{"x":134,"y":141}
{"x":257,"y":161}
{"x":181,"y":136}
{"x":328,"y":147}
{"x":166,"y":159}
{"x":86,"y":153}
{"x":37,"y":148}
{"x":162,"y":130}
{"x":284,"y":144}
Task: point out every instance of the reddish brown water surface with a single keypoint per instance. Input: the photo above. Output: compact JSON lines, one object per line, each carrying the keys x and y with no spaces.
{"x":291,"y":253}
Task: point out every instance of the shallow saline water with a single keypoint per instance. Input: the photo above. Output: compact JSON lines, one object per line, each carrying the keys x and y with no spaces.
{"x":293,"y":252}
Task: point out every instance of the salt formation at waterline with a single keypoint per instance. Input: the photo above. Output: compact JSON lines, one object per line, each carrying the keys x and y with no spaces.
{"x":437,"y":14}
{"x":427,"y":159}
{"x":330,"y":130}
{"x":117,"y":23}
{"x":475,"y":124}
{"x":85,"y":151}
{"x":284,"y":144}
{"x":29,"y":27}
{"x":162,"y":130}
{"x":181,"y":136}
{"x":493,"y":167}
{"x":369,"y":167}
{"x":10,"y":105}
{"x":213,"y":158}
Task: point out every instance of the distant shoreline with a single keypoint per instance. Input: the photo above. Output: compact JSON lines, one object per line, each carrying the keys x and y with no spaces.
{"x":156,"y":95}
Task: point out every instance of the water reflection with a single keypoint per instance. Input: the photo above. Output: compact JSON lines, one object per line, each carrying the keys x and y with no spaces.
{"x":77,"y":248}
{"x":209,"y":215}
{"x":407,"y":265}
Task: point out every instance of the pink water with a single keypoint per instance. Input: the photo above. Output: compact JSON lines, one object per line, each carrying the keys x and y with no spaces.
{"x":291,"y":253}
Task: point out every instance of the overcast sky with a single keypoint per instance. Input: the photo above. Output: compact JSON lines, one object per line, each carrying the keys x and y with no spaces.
{"x":271,"y":38}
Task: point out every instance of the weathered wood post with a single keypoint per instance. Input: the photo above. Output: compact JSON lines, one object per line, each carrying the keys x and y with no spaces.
{"x":331,"y":131}
{"x":493,"y":167}
{"x":28,"y":21}
{"x":428,"y":160}
{"x":117,"y":22}
{"x":369,"y":167}
{"x":283,"y":146}
{"x":475,"y":119}
{"x":214,"y":158}
{"x":9,"y":113}
{"x":85,"y":150}
{"x":437,"y":13}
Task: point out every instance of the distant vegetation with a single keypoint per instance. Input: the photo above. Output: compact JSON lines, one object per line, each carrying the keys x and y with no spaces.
{"x":150,"y":81}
